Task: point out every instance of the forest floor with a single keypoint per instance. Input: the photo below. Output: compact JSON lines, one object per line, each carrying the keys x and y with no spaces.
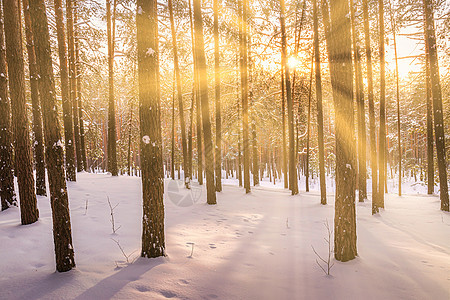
{"x":255,"y":246}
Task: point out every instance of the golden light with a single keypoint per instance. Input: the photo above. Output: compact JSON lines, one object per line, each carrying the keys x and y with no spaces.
{"x":293,"y":62}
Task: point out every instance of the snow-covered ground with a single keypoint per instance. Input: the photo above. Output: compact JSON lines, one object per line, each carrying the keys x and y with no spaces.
{"x":256,"y":246}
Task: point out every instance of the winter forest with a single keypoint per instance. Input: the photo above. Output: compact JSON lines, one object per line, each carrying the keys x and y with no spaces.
{"x":224,"y":149}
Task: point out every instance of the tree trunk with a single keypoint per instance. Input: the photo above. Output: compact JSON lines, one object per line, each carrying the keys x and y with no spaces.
{"x":218,"y":156}
{"x":293,"y":184}
{"x":66,"y":103}
{"x":73,"y":80}
{"x":39,"y":160}
{"x":244,"y":91}
{"x":83,"y":163}
{"x":62,"y":233}
{"x":308,"y":125}
{"x":153,"y":241}
{"x":112,"y":151}
{"x":203,"y":87}
{"x":179,"y":94}
{"x":318,"y":77}
{"x":14,"y":56}
{"x":430,"y":36}
{"x":361,"y":116}
{"x":382,"y":136}
{"x":342,"y":82}
{"x":283,"y":129}
{"x":430,"y":147}
{"x":7,"y":194}
{"x":372,"y":127}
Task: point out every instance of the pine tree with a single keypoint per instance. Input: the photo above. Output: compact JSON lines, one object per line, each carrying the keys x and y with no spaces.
{"x":318,"y":77}
{"x":293,"y":183}
{"x":382,"y":135}
{"x":203,"y":88}
{"x":218,"y":155}
{"x":7,"y":194}
{"x":340,"y":46}
{"x":179,"y":93}
{"x":39,"y":160}
{"x":112,"y":148}
{"x":62,"y":235}
{"x":24,"y":170}
{"x":153,"y":241}
{"x":430,"y":36}
{"x":66,"y":103}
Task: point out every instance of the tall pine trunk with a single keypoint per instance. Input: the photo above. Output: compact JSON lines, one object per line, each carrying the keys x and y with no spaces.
{"x":318,"y":77}
{"x":39,"y":160}
{"x":340,"y":46}
{"x":62,"y":233}
{"x":153,"y":240}
{"x":66,"y":103}
{"x":217,"y":76}
{"x":283,"y":129}
{"x":430,"y":36}
{"x":14,"y":55}
{"x":179,"y":93}
{"x":293,"y":183}
{"x":112,"y":148}
{"x":382,"y":135}
{"x":430,"y":147}
{"x":203,"y":87}
{"x":7,"y":194}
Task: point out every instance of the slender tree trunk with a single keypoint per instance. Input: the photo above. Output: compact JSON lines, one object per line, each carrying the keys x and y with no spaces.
{"x":172,"y":161}
{"x":255,"y":164}
{"x":217,"y":96}
{"x":36,"y":106}
{"x":203,"y":87}
{"x":430,"y":36}
{"x":342,"y":82}
{"x":293,"y":183}
{"x":194,"y":93}
{"x":370,"y":97}
{"x":244,"y":91}
{"x":83,"y":163}
{"x":130,"y":134}
{"x":382,"y":136}
{"x":153,"y":240}
{"x":7,"y":194}
{"x":73,"y":80}
{"x":62,"y":233}
{"x":66,"y":103}
{"x":430,"y":150}
{"x":318,"y":77}
{"x":112,"y":151}
{"x":283,"y":129}
{"x":179,"y":93}
{"x":14,"y":55}
{"x":362,"y":171}
{"x":308,"y":130}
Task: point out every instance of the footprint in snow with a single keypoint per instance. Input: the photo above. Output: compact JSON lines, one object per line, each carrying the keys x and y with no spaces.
{"x":212,"y":246}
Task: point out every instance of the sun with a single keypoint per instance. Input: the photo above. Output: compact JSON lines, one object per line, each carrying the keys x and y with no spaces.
{"x":293,"y":62}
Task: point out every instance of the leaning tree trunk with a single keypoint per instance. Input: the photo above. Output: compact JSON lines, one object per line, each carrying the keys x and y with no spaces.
{"x":370,"y":98}
{"x":293,"y":183}
{"x":7,"y":194}
{"x":203,"y":87}
{"x":382,"y":135}
{"x":340,"y":45}
{"x":14,"y":56}
{"x":62,"y":234}
{"x":318,"y":76}
{"x":112,"y":148}
{"x":361,"y":116}
{"x":36,"y":106}
{"x":153,"y":241}
{"x":430,"y":36}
